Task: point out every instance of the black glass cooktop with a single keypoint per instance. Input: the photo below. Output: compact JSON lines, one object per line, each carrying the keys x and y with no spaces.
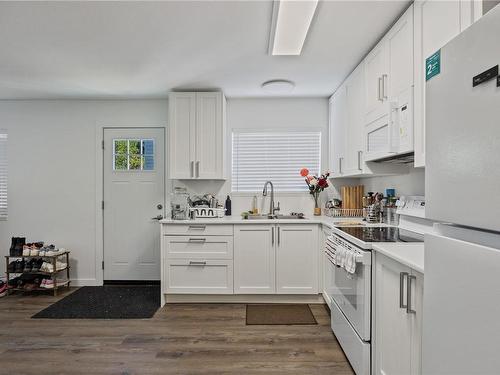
{"x":382,"y":234}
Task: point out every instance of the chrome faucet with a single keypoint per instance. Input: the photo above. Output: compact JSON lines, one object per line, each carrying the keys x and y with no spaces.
{"x":272,"y":209}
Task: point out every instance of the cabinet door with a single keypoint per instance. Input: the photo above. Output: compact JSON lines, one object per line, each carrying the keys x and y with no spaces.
{"x":209,"y":135}
{"x":182,"y":121}
{"x":338,"y":124}
{"x":297,"y":259}
{"x":435,"y":24}
{"x":254,"y":259}
{"x":393,"y":326}
{"x":355,"y":86}
{"x":376,"y":82}
{"x":417,"y":294}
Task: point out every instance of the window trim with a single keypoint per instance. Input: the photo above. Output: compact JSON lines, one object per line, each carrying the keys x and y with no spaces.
{"x":319,"y":130}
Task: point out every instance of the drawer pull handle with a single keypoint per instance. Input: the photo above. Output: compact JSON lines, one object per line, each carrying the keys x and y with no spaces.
{"x":197,"y":240}
{"x":198,"y":227}
{"x":193,"y":263}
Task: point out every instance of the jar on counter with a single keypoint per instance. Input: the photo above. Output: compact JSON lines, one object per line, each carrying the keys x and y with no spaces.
{"x":179,"y":204}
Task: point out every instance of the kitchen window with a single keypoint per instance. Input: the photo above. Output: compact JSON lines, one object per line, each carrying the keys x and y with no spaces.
{"x":3,"y":175}
{"x":278,"y":156}
{"x":133,"y":154}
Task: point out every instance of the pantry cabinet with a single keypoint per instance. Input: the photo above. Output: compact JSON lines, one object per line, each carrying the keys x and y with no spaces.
{"x":254,"y":259}
{"x":197,"y":129}
{"x":397,"y":318}
{"x":435,"y":24}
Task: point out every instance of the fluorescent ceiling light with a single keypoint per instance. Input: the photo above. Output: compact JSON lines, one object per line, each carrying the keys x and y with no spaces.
{"x":291,"y":25}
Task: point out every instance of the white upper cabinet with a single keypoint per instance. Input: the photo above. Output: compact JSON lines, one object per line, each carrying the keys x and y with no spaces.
{"x":376,"y":82}
{"x":435,"y":24}
{"x":389,"y":92}
{"x":337,"y":130}
{"x":197,"y":135}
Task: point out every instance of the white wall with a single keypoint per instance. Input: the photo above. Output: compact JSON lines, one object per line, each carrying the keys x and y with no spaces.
{"x":52,"y":170}
{"x":412,"y":183}
{"x":276,"y":113}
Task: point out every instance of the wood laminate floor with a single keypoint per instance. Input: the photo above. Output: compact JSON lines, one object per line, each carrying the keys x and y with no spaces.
{"x":179,"y":339}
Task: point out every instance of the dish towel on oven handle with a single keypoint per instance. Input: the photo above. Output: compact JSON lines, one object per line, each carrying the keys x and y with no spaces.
{"x":342,"y":257}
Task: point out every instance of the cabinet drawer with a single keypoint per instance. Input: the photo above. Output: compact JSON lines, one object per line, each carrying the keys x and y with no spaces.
{"x":186,"y":276}
{"x":198,"y":229}
{"x":199,"y":247}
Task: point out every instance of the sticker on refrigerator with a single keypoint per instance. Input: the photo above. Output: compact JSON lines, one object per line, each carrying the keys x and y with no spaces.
{"x":433,"y":65}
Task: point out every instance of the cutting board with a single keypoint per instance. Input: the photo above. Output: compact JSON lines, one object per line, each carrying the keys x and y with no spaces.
{"x":352,"y":196}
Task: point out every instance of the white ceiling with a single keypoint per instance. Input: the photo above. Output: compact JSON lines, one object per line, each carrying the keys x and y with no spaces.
{"x":146,"y":49}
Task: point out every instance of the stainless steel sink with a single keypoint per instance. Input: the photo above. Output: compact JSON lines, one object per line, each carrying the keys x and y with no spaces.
{"x":274,"y":217}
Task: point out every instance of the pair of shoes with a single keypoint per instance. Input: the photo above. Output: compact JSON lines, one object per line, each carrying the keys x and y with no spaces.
{"x":47,"y":283}
{"x":16,"y":247}
{"x":37,"y":264}
{"x":49,"y":267}
{"x":3,"y":288}
{"x":19,"y":266}
{"x":12,"y":266}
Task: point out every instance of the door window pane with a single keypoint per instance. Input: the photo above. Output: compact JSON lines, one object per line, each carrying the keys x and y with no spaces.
{"x":133,"y":154}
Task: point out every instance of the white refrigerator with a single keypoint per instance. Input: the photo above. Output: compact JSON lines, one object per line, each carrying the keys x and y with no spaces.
{"x":461,"y":319}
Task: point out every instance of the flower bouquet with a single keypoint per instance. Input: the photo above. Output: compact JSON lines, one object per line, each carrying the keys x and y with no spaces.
{"x":316,"y":185}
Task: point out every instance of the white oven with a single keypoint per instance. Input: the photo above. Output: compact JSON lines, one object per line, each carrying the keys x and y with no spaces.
{"x":351,"y":303}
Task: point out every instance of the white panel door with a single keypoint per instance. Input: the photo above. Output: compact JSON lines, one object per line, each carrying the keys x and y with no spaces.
{"x":392,"y":340}
{"x":297,"y":259}
{"x":254,"y":259}
{"x":209,"y":130}
{"x":134,"y":195}
{"x":461,"y":323}
{"x":182,"y":130}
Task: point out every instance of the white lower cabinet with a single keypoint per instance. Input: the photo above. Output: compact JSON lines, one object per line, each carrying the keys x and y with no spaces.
{"x":254,"y":259}
{"x":241,"y":259}
{"x":396,"y":346}
{"x":186,"y":276}
{"x":297,"y":259}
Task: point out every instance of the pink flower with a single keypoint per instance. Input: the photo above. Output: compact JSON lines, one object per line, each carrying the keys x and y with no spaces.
{"x":304,"y":172}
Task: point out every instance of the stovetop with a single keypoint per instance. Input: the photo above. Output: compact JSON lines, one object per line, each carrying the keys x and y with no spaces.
{"x":382,"y":234}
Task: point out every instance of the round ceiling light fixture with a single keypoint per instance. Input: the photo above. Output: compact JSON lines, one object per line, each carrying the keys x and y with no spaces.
{"x":278,"y":86}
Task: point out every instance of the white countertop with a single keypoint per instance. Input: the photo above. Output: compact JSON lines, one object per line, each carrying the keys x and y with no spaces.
{"x":326,"y":220}
{"x":409,"y":254}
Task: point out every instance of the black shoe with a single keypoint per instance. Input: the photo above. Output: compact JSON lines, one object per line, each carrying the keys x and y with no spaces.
{"x":19,"y":266}
{"x":12,"y":266}
{"x":18,"y":248}
{"x":12,"y":250}
{"x":37,"y":263}
{"x":28,"y":266}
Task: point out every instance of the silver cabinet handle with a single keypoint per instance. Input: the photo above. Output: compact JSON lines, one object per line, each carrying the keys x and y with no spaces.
{"x":359,"y":160}
{"x":197,"y":227}
{"x":402,"y":276}
{"x":379,"y":89}
{"x":409,"y":309}
{"x":272,"y":236}
{"x":193,"y":263}
{"x":192,"y":169}
{"x":340,"y":165}
{"x":279,"y":235}
{"x":197,"y":240}
{"x":384,"y":86}
{"x":197,"y":169}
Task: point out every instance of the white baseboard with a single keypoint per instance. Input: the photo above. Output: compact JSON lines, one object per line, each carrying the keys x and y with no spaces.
{"x":249,"y":298}
{"x":84,"y":282}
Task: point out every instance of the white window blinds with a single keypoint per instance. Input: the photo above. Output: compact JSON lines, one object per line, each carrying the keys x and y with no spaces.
{"x":3,"y":175}
{"x":275,"y":156}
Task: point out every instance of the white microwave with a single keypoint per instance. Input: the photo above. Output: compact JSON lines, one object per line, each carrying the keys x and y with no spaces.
{"x":391,"y":134}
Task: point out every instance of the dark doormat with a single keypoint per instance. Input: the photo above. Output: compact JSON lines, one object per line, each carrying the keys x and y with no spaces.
{"x":106,"y":302}
{"x":279,"y":314}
